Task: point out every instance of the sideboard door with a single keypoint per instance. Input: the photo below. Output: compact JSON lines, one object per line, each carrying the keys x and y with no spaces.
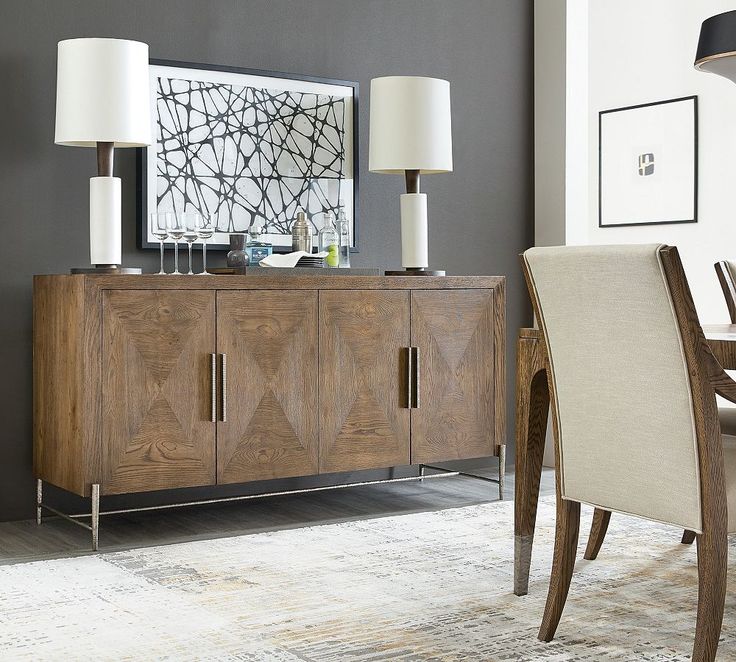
{"x":156,"y":425}
{"x":269,"y":341}
{"x":363,"y":341}
{"x":453,"y":332}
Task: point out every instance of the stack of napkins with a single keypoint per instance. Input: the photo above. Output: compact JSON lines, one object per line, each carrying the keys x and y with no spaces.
{"x":289,"y":260}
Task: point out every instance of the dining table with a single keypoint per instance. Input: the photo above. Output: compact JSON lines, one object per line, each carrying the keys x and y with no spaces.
{"x":532,"y":410}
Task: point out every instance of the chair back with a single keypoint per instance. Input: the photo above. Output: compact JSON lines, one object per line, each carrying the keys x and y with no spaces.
{"x":726,"y":271}
{"x":623,"y":407}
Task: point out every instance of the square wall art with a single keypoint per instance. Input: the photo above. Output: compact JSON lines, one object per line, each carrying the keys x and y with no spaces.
{"x":648,"y":163}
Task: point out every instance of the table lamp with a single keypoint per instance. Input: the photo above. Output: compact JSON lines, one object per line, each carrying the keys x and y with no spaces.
{"x":102,"y":101}
{"x":410,"y":134}
{"x":716,"y":52}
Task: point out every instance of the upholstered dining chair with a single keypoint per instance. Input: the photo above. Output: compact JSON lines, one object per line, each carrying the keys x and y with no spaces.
{"x":636,"y":429}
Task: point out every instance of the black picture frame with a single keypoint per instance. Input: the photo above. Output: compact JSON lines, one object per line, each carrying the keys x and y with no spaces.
{"x":142,"y":237}
{"x":601,"y":114}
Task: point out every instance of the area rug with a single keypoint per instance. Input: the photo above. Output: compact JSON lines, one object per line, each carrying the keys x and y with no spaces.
{"x":428,"y":586}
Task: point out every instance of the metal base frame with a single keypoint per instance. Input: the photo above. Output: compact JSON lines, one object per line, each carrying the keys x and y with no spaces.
{"x":93,"y":526}
{"x":96,"y":513}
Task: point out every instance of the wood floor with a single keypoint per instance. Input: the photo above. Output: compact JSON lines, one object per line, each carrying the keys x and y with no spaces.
{"x":56,"y":538}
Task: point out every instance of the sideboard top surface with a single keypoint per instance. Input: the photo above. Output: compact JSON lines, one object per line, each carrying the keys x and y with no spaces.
{"x":278,"y":282}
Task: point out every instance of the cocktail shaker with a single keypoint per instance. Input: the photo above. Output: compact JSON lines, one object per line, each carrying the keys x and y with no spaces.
{"x":301,"y":234}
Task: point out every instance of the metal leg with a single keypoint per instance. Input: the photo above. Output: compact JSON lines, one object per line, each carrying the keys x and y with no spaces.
{"x":501,"y":471}
{"x":421,"y":473}
{"x":39,"y":500}
{"x":95,"y":516}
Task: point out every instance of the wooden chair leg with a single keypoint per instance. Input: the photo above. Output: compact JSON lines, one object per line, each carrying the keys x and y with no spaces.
{"x":566,"y":545}
{"x":598,"y":529}
{"x":687,"y":537}
{"x":532,"y":409}
{"x":712,"y":569}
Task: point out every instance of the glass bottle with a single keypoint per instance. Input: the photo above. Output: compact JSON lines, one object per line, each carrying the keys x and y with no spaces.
{"x":237,"y":257}
{"x":256,"y":248}
{"x":329,"y":241}
{"x":343,"y":229}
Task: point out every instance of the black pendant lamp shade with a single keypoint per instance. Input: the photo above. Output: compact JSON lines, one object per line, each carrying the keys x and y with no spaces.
{"x":717,"y":45}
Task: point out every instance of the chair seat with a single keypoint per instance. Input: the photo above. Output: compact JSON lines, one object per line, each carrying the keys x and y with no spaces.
{"x":727,"y":416}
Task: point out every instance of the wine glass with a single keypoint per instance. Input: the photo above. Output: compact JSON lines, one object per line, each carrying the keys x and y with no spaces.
{"x":176,"y":232}
{"x":205,"y":231}
{"x":191,"y":221}
{"x":160,"y":229}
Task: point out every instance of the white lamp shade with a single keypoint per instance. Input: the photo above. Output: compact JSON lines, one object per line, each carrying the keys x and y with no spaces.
{"x":102,"y":93}
{"x":410,"y":126}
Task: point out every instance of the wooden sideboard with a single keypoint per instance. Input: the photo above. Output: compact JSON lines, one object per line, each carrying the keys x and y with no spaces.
{"x":154,"y":382}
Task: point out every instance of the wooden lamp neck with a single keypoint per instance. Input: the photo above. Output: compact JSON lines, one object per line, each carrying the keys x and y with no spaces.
{"x":412,"y":180}
{"x":104,"y":159}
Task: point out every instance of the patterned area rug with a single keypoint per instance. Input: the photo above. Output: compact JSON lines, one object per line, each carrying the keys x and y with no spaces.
{"x":428,"y":586}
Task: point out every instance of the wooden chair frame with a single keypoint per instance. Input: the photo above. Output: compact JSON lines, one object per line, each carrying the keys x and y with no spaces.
{"x":706,"y":379}
{"x":728,"y":285}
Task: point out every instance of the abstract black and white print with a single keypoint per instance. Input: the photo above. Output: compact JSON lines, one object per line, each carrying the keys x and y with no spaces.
{"x":250,"y":151}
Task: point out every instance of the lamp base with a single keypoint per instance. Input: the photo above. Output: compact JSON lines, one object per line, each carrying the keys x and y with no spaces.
{"x":416,"y":271}
{"x":107,"y":269}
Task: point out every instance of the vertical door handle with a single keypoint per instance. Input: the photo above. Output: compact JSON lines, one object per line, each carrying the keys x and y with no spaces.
{"x":223,"y":376}
{"x":415,"y":363}
{"x":213,"y":378}
{"x":409,"y":377}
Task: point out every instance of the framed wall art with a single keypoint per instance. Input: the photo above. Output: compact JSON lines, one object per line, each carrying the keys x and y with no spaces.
{"x":248,"y":147}
{"x":648,"y":163}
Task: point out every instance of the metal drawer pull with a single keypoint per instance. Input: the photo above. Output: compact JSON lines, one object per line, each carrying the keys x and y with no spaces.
{"x":213,"y":377}
{"x":409,"y":377}
{"x":223,"y":376}
{"x":416,"y":377}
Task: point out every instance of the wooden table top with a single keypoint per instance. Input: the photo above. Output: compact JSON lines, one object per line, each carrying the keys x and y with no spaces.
{"x":723,"y":332}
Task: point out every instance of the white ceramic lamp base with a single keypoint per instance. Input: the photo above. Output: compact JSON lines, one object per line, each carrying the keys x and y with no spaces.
{"x":105,"y":222}
{"x":414,"y":237}
{"x":105,"y":228}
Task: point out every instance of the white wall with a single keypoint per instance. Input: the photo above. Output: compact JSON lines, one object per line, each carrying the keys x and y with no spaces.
{"x":640,"y":51}
{"x":593,"y":55}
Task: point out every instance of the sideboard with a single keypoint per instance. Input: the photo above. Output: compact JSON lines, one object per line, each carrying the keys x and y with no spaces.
{"x":153,"y":382}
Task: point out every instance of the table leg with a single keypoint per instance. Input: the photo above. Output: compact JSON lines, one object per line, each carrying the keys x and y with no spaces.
{"x":532,"y":409}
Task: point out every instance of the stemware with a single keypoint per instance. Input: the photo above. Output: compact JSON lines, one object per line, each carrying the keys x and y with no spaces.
{"x":191,"y":221}
{"x":176,"y":232}
{"x":160,"y":229}
{"x":205,"y":231}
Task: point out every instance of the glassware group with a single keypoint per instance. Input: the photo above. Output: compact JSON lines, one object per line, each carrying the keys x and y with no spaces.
{"x":189,"y":226}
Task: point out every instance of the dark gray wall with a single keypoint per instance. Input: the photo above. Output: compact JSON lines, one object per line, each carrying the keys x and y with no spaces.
{"x":480,"y":215}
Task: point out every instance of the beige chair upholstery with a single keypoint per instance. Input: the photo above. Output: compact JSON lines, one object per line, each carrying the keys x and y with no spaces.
{"x":626,"y":422}
{"x":727,"y":416}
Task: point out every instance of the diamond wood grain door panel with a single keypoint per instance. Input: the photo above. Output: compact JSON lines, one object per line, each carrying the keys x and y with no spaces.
{"x":364,"y":422}
{"x":156,"y":420}
{"x":453,"y":331}
{"x":270,"y":339}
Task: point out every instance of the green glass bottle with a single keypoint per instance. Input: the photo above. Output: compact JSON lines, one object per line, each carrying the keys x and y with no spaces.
{"x":329,"y":241}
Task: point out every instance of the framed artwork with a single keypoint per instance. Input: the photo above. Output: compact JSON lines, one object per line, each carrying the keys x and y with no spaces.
{"x":248,"y":147}
{"x":648,"y":163}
